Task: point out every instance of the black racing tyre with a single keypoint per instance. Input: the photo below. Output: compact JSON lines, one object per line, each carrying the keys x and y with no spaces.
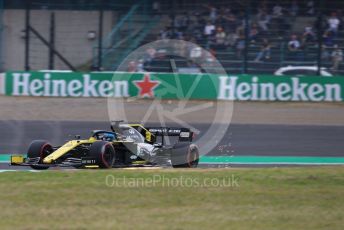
{"x":185,"y":155}
{"x":104,"y":153}
{"x":39,"y":149}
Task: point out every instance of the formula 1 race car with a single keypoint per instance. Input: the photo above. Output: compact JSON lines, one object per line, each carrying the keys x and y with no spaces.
{"x":125,"y":145}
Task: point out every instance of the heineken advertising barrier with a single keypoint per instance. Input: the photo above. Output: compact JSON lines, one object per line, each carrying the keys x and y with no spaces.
{"x":174,"y":86}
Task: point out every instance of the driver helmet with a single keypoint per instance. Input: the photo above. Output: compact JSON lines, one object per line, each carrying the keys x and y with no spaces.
{"x":109,"y":137}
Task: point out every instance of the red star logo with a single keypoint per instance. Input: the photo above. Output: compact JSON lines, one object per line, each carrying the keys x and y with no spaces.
{"x":146,"y":86}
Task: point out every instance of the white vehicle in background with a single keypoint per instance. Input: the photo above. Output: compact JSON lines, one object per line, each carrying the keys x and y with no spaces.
{"x":302,"y":71}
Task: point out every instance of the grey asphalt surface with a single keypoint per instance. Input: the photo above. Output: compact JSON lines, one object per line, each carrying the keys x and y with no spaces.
{"x":240,"y":139}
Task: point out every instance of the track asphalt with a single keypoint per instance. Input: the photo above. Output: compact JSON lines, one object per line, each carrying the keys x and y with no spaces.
{"x":239,"y":140}
{"x":242,"y":144}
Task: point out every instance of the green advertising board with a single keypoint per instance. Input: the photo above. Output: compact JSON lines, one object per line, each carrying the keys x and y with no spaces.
{"x":174,"y":86}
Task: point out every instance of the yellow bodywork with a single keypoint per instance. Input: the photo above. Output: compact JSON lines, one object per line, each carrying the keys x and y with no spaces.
{"x":17,"y":159}
{"x":74,"y":143}
{"x":148,"y":135}
{"x":66,"y":148}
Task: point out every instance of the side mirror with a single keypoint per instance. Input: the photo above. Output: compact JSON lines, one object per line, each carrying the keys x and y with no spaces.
{"x":77,"y":137}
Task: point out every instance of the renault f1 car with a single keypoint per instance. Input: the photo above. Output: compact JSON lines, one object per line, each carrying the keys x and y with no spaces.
{"x":125,"y":145}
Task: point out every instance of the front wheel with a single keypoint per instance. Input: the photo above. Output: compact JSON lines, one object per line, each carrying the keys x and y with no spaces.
{"x":104,"y":154}
{"x":39,"y":150}
{"x":185,"y":156}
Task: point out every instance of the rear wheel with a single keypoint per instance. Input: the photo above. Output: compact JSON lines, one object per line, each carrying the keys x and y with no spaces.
{"x":185,"y":156}
{"x":39,"y":150}
{"x":104,"y":153}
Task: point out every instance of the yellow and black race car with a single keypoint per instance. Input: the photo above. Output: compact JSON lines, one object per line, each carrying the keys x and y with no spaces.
{"x":125,"y":145}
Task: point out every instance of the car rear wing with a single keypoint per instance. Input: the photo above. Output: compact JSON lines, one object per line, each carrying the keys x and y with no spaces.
{"x":184,"y":134}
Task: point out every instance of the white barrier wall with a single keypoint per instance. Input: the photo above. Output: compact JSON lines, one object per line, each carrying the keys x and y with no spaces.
{"x":71,"y":37}
{"x":2,"y":83}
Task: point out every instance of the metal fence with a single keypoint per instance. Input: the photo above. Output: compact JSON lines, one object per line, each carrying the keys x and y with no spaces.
{"x":1,"y":31}
{"x":75,"y":29}
{"x":293,"y":37}
{"x":82,"y":35}
{"x":247,"y":36}
{"x":60,"y":35}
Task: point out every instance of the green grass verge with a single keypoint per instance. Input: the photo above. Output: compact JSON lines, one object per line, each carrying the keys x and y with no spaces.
{"x":261,"y":198}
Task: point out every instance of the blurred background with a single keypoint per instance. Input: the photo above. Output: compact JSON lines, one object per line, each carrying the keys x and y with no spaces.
{"x":289,"y":37}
